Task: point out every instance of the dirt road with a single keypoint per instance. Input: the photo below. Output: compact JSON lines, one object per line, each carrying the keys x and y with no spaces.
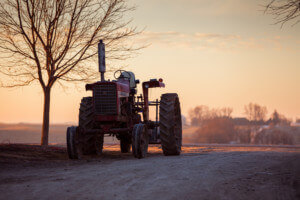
{"x":201,"y":172}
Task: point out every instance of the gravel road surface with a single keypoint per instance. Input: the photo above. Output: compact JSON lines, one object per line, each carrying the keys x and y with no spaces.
{"x":200,"y":172}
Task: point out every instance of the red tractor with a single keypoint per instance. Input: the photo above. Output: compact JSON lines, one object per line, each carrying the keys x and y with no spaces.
{"x":114,"y":110}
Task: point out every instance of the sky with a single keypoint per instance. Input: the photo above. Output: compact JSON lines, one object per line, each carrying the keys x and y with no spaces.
{"x":219,"y":53}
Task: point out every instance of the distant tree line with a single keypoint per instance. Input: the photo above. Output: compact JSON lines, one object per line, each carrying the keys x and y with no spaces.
{"x":216,"y":125}
{"x":255,"y":115}
{"x":202,"y":113}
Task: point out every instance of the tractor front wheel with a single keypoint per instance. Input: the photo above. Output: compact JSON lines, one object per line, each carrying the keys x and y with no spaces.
{"x":140,"y":141}
{"x":170,"y":124}
{"x":125,"y":144}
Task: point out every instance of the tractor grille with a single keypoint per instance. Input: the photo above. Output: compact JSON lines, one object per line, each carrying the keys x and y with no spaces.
{"x":105,"y":99}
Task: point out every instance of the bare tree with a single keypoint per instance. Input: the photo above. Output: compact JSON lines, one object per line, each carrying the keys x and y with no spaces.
{"x":226,"y":112}
{"x":198,"y":114}
{"x":203,"y":113}
{"x":53,"y":41}
{"x":284,"y":11}
{"x":277,"y":118}
{"x":255,"y":112}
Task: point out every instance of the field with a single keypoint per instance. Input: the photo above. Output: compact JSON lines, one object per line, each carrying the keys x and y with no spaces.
{"x":200,"y":172}
{"x":31,"y":134}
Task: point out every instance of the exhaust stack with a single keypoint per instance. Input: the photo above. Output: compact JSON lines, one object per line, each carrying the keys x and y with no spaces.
{"x":101,"y":59}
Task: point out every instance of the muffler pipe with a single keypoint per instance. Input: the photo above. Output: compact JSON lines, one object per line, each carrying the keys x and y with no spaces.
{"x":101,"y":59}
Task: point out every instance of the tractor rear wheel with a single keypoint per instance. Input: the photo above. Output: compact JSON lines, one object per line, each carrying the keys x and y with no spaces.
{"x":125,"y":144}
{"x":86,"y":113}
{"x":92,"y":144}
{"x":140,"y":141}
{"x":170,"y":124}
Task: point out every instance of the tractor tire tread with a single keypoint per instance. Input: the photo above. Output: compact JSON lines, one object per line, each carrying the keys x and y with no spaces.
{"x":168,"y":119}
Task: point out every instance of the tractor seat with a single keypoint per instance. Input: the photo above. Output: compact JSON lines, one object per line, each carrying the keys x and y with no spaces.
{"x":131,"y":77}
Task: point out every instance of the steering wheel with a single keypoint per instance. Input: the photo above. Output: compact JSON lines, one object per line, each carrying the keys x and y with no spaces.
{"x":120,"y":73}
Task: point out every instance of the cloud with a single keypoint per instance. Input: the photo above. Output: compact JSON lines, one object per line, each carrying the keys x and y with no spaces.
{"x":214,"y":35}
{"x":213,"y":7}
{"x":213,"y":41}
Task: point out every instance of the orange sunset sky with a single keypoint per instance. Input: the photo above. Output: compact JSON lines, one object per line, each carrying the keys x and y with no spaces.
{"x":211,"y":52}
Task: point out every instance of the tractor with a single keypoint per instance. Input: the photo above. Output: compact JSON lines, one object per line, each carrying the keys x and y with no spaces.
{"x":114,"y":109}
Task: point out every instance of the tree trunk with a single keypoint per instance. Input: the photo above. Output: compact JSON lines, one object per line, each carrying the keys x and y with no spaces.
{"x":46,"y":114}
